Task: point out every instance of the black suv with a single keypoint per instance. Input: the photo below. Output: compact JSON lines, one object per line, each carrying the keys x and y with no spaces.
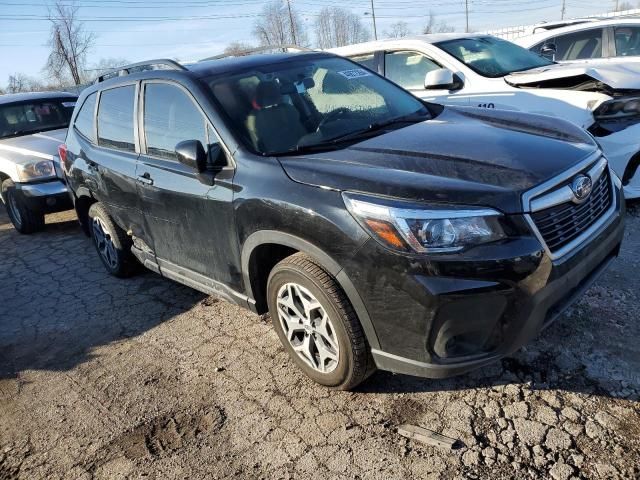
{"x":376,"y":229}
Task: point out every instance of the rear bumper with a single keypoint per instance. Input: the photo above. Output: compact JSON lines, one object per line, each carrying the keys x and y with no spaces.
{"x":437,"y":318}
{"x":47,"y":197}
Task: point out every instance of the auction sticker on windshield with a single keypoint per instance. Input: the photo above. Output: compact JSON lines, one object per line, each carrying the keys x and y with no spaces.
{"x":354,"y":73}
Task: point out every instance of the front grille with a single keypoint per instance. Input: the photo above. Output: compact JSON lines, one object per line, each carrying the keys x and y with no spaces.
{"x":561,"y":224}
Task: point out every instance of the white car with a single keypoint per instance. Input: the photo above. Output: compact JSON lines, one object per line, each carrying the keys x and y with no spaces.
{"x":588,"y":40}
{"x":486,"y":72}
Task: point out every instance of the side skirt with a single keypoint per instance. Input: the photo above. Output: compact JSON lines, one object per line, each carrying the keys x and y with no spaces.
{"x":192,"y":279}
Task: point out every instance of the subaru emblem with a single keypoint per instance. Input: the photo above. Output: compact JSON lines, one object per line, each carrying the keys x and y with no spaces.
{"x":581,"y":187}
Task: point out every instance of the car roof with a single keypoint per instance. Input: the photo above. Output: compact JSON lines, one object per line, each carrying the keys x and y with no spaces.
{"x":233,"y":64}
{"x":30,"y":96}
{"x":426,"y":38}
{"x":541,"y":32}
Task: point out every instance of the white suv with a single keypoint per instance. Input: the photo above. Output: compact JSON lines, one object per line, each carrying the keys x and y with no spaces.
{"x":478,"y":70}
{"x":616,"y":39}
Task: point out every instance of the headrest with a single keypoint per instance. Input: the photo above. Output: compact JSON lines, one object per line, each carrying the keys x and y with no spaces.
{"x":268,"y":94}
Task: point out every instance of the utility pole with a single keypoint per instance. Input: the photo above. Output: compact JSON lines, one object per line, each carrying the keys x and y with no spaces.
{"x":564,"y":9}
{"x":293,"y":28}
{"x":373,"y":16}
{"x":466,"y":11}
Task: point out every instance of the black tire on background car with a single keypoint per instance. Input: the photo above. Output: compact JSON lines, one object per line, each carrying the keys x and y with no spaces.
{"x":316,"y":323}
{"x":111,"y":242}
{"x":24,"y":219}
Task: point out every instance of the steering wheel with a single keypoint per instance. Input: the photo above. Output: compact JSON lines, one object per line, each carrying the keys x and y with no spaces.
{"x":332,"y":116}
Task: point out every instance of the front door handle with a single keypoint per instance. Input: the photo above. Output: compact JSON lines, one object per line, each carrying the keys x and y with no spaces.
{"x":145,"y":179}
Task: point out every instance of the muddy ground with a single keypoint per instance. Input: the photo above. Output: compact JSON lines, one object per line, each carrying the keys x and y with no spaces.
{"x":144,"y":378}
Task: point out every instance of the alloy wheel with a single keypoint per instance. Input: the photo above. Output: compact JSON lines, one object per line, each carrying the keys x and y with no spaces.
{"x":308,"y":328}
{"x":104,"y":243}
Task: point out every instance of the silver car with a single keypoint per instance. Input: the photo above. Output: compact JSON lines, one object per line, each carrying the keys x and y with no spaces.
{"x":32,"y":126}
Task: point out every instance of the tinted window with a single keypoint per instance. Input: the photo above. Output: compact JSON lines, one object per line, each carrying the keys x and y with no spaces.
{"x":170,"y":117}
{"x":627,"y":41}
{"x":367,"y":60}
{"x":84,"y":119}
{"x":27,"y":118}
{"x":408,"y":69}
{"x":115,"y":118}
{"x":579,"y":45}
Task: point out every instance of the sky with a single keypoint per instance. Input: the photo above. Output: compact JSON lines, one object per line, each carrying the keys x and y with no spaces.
{"x":136,"y":30}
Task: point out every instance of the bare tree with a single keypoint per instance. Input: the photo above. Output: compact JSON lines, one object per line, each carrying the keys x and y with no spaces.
{"x":337,"y":26}
{"x":236,"y":48}
{"x":69,"y":43}
{"x":275,"y":27}
{"x":400,"y":29}
{"x":436,"y":27}
{"x":105,"y":65}
{"x":19,"y":82}
{"x":622,"y":6}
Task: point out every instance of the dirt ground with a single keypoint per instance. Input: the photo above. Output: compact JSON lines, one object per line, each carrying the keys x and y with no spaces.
{"x":144,"y":378}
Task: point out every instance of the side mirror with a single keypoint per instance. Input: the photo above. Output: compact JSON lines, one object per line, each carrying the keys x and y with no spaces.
{"x":549,"y":50}
{"x":191,"y":153}
{"x":440,"y":79}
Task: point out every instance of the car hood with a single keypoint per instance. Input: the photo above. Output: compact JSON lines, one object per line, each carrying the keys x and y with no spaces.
{"x":617,"y":76}
{"x":40,"y":145}
{"x":463,"y":156}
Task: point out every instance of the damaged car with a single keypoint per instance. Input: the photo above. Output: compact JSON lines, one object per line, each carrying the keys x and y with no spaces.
{"x":481,"y":71}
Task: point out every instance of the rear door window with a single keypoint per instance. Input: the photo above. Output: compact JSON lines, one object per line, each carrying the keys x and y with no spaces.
{"x":170,"y":117}
{"x":408,"y":69}
{"x":627,"y":41}
{"x":115,"y":118}
{"x":579,"y":45}
{"x":84,"y":120}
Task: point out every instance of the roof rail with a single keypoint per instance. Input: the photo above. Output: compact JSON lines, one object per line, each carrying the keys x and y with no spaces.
{"x":150,"y":64}
{"x":252,"y":51}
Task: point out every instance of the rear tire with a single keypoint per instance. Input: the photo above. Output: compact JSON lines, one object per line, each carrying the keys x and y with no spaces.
{"x":111,"y":242}
{"x":24,"y":219}
{"x":316,"y":323}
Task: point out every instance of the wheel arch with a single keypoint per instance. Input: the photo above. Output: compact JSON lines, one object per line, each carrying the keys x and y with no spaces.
{"x":271,"y":246}
{"x":82,"y":202}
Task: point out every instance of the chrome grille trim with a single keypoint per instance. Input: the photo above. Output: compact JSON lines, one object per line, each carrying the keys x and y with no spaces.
{"x":538,"y":199}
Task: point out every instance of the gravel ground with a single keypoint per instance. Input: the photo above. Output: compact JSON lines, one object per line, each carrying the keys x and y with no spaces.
{"x":108,"y":378}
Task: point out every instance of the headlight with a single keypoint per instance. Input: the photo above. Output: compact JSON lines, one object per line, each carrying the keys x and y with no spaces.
{"x":36,"y":170}
{"x":618,"y":108}
{"x":424,"y":229}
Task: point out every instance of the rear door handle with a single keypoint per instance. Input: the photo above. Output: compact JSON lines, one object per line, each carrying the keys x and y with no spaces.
{"x":145,"y":179}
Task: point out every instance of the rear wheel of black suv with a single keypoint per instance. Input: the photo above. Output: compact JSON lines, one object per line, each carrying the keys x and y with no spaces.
{"x":316,"y":323}
{"x":111,"y":242}
{"x":24,"y":219}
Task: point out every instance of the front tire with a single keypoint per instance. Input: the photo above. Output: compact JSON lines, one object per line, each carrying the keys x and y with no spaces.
{"x":316,"y":323}
{"x":111,"y":242}
{"x":24,"y":219}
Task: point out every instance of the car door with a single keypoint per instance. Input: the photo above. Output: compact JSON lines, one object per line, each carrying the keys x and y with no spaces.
{"x":189,"y":224}
{"x":112,"y":162}
{"x":408,"y":69}
{"x":588,"y":44}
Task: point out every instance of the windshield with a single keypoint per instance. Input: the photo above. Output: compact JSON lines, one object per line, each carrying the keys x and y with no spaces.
{"x":32,"y":117}
{"x":492,"y":57}
{"x":288,"y":107}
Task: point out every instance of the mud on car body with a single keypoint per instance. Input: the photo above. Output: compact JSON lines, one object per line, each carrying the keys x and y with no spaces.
{"x":377,"y":230}
{"x":32,"y":126}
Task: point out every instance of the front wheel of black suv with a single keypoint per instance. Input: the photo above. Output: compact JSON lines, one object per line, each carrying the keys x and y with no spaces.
{"x":24,"y":219}
{"x":316,"y":323}
{"x":111,"y":242}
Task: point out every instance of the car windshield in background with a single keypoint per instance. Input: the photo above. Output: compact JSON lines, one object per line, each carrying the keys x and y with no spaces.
{"x":492,"y":57}
{"x":32,"y":117}
{"x":312,"y":103}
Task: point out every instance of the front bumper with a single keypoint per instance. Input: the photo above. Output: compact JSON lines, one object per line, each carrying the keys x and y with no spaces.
{"x":439,"y":317}
{"x":620,"y":148}
{"x":46,"y":197}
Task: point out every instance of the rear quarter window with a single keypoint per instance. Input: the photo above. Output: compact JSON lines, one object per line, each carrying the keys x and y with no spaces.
{"x":84,"y":120}
{"x":115,"y":118}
